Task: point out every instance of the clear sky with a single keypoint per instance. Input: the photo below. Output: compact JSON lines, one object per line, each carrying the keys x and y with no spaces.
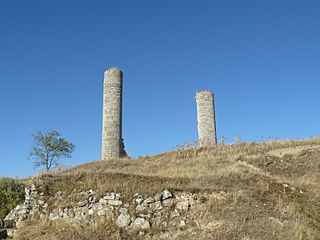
{"x":260,"y":58}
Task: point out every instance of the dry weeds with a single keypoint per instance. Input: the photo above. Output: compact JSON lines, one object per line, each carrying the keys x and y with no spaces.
{"x":271,"y":191}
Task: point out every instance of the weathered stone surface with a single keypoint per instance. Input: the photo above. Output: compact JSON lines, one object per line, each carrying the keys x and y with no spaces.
{"x":118,"y":196}
{"x":92,"y":199}
{"x":53,"y":216}
{"x":103,"y":201}
{"x":115,"y":202}
{"x":92,"y":192}
{"x":157,"y":197}
{"x":206,"y":118}
{"x":182,"y":223}
{"x":156,"y":206}
{"x":166,"y":194}
{"x":71,"y":213}
{"x":90,"y":212}
{"x":141,"y":223}
{"x":10,"y":232}
{"x":139,"y":200}
{"x":137,"y":195}
{"x":152,"y":210}
{"x":147,"y":216}
{"x":123,"y":210}
{"x":110,"y":196}
{"x":140,"y":208}
{"x":82,"y":203}
{"x":167,"y":202}
{"x":123,"y":220}
{"x":183,"y":205}
{"x":112,"y":142}
{"x":148,"y":201}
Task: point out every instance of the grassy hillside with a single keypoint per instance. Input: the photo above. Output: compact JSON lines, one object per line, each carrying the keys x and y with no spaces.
{"x":271,"y":191}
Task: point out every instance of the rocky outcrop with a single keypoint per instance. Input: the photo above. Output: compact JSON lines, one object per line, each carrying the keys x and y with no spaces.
{"x":139,"y":213}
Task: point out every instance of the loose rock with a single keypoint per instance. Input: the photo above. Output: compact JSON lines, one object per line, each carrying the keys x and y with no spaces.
{"x":123,"y":220}
{"x":166,"y":194}
{"x":141,"y":223}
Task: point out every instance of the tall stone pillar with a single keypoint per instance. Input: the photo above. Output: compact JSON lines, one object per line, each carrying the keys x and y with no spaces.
{"x":112,"y":143}
{"x":206,"y":118}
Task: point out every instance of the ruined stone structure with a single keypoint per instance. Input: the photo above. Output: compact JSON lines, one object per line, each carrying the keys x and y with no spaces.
{"x":88,"y":207}
{"x":206,"y":118}
{"x":112,"y":142}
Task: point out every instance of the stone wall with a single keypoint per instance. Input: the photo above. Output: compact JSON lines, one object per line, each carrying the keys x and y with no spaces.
{"x":164,"y":209}
{"x":206,"y":118}
{"x":112,"y":142}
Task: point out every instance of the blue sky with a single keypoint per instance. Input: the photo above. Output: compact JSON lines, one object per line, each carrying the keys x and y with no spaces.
{"x":260,"y":58}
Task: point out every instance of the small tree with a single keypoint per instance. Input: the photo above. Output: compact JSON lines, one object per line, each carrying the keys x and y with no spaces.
{"x":49,"y":148}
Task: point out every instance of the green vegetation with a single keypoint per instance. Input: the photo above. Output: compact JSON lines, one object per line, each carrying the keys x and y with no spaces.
{"x":49,"y":148}
{"x":11,"y":194}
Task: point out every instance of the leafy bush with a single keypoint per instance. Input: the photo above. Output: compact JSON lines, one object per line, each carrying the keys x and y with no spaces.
{"x":11,"y":194}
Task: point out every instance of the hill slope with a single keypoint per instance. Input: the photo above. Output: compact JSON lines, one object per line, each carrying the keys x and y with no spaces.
{"x":242,"y":191}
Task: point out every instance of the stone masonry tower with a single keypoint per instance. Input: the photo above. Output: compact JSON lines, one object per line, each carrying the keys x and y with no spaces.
{"x":206,"y":118}
{"x":112,"y":143}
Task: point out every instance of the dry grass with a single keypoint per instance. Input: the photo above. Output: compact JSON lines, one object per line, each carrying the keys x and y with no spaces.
{"x":61,"y":230}
{"x":272,"y":190}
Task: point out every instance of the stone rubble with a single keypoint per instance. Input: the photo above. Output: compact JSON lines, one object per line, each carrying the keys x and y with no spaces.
{"x":140,"y":213}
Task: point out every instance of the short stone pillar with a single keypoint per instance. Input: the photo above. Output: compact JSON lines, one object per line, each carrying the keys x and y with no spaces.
{"x":112,"y":142}
{"x":206,"y":118}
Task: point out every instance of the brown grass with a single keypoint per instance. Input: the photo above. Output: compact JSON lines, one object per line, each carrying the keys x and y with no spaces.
{"x":272,"y":191}
{"x":61,"y":230}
